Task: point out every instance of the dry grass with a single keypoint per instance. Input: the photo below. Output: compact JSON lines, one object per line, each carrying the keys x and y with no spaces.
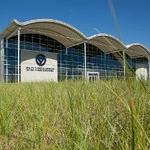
{"x":75,"y":115}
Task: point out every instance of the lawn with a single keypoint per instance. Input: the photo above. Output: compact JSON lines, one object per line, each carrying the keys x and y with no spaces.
{"x":77,"y":115}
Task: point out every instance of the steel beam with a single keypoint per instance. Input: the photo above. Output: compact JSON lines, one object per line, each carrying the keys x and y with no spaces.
{"x":18,"y":32}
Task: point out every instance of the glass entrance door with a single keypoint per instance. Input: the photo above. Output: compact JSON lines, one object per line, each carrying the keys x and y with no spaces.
{"x":92,"y":76}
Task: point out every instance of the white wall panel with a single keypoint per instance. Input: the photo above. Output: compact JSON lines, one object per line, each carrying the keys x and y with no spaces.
{"x":32,"y":72}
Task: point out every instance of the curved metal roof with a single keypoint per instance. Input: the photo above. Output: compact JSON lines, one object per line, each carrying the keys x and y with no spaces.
{"x":62,"y":32}
{"x":69,"y":36}
{"x":137,"y":50}
{"x":107,"y":43}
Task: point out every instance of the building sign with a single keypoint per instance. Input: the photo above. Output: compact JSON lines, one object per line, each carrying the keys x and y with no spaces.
{"x":40,"y":59}
{"x":39,"y":69}
{"x":38,"y":66}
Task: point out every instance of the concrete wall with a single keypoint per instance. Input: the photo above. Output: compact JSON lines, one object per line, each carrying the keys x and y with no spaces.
{"x":32,"y":72}
{"x":141,"y":71}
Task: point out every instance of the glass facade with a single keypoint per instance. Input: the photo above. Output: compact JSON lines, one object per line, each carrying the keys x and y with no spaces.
{"x":31,"y":42}
{"x":108,"y":65}
{"x":71,"y":61}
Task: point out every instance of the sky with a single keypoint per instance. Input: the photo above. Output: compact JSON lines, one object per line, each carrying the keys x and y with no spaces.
{"x":128,"y":20}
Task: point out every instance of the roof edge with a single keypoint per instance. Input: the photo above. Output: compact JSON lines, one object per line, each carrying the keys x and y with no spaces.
{"x":138,"y":44}
{"x":107,"y":35}
{"x":46,"y":20}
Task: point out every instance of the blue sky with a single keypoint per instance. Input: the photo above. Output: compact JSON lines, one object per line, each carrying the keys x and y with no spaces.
{"x":89,"y":16}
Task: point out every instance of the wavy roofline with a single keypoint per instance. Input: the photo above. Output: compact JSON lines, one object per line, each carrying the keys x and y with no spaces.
{"x":107,"y":35}
{"x":138,"y":44}
{"x":33,"y":21}
{"x":75,"y":30}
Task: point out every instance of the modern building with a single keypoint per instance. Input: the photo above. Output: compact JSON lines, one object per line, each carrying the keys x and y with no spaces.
{"x":51,"y":50}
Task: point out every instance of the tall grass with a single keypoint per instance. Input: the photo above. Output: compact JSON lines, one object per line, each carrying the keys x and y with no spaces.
{"x":75,"y":115}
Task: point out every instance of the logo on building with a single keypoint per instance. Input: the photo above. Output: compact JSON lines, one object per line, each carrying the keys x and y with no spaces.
{"x":40,"y":59}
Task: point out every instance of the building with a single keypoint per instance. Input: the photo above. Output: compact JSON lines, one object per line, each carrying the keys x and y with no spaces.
{"x":51,"y":50}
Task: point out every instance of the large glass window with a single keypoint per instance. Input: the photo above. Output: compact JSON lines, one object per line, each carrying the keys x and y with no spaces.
{"x":32,"y":42}
{"x":75,"y":62}
{"x":108,"y":65}
{"x":70,"y":61}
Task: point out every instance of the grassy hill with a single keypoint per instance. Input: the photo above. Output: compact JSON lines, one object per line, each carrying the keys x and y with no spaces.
{"x":75,"y":115}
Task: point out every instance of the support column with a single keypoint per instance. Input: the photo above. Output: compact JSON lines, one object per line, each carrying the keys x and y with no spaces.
{"x":66,"y":65}
{"x":18,"y":54}
{"x":105,"y":66}
{"x":124,"y":64}
{"x":85,"y":66}
{"x":2,"y":61}
{"x":148,"y":71}
{"x":6,"y":64}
